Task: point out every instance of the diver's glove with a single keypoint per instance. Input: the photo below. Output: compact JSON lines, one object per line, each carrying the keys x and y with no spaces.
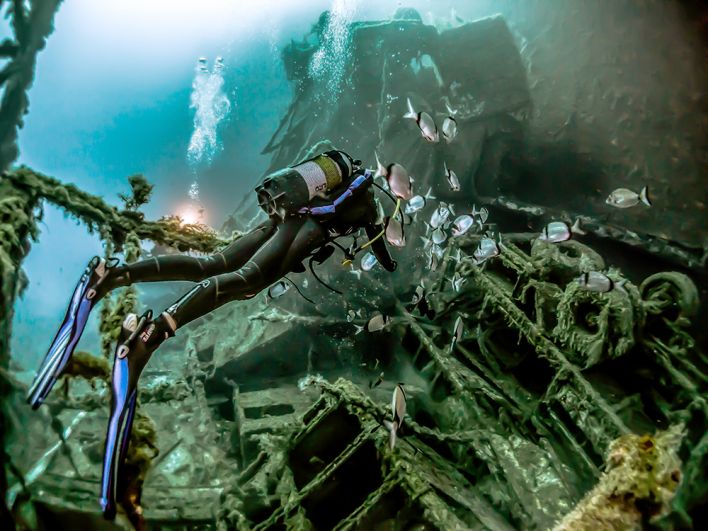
{"x":138,"y":340}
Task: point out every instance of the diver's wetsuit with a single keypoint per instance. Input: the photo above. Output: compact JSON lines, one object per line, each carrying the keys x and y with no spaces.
{"x":260,"y":257}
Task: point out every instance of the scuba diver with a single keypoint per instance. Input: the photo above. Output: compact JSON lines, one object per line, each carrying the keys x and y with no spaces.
{"x":308,"y":205}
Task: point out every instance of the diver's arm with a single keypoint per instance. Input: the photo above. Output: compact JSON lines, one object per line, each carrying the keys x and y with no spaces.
{"x":362,"y":181}
{"x":378,"y":246}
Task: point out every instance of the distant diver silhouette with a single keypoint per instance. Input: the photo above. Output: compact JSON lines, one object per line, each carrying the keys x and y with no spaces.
{"x":309,"y":205}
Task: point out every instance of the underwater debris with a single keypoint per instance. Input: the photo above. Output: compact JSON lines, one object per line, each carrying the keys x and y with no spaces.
{"x":642,"y":474}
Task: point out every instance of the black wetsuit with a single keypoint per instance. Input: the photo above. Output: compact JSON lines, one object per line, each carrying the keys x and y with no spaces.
{"x":259,"y":258}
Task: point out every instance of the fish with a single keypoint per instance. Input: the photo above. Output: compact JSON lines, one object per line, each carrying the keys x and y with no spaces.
{"x":439,"y":236}
{"x":437,"y":251}
{"x":449,"y":128}
{"x":452,"y":179}
{"x":368,"y":262}
{"x":425,"y":123}
{"x":440,"y":216}
{"x":483,"y":214}
{"x":397,"y":178}
{"x":457,"y":332}
{"x":461,"y":225}
{"x":398,"y":412}
{"x":394,"y":233}
{"x":433,"y":261}
{"x":418,"y":295}
{"x":624,"y":198}
{"x":278,"y":289}
{"x":559,"y":231}
{"x":457,"y":281}
{"x":350,"y":316}
{"x":356,"y":273}
{"x":486,"y":249}
{"x":416,"y":203}
{"x":377,"y":382}
{"x":377,"y":323}
{"x":599,"y":282}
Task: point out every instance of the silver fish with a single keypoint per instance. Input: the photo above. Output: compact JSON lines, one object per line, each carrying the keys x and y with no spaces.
{"x":439,"y":236}
{"x":415,"y":203}
{"x":417,"y":295}
{"x":449,"y":129}
{"x":398,"y":412}
{"x":452,"y":179}
{"x":368,"y":262}
{"x":425,"y":123}
{"x":440,"y":216}
{"x":350,"y":316}
{"x":377,"y":323}
{"x":457,"y":331}
{"x":457,"y":281}
{"x":461,"y":225}
{"x":397,"y":178}
{"x":278,"y":289}
{"x":394,"y":233}
{"x":433,"y":260}
{"x":559,"y":231}
{"x":377,"y":382}
{"x":483,"y":215}
{"x":599,"y":282}
{"x":487,"y":249}
{"x":624,"y":198}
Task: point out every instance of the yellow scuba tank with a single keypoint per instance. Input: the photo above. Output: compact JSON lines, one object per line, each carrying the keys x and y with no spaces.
{"x":287,"y":190}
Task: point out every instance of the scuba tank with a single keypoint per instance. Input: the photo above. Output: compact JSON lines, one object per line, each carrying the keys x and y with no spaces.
{"x":288,"y":190}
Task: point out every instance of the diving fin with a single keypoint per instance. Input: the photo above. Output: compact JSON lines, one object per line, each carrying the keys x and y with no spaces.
{"x":134,"y":349}
{"x":61,"y":349}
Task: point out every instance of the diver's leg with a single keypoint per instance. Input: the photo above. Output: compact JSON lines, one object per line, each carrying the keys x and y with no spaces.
{"x":182,"y":267}
{"x":100,"y":277}
{"x":291,"y":243}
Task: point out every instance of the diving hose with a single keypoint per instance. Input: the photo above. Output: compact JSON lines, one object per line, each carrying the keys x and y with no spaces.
{"x":348,"y":259}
